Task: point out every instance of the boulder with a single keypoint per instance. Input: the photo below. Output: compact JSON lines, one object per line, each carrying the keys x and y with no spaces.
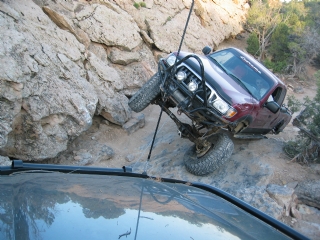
{"x":282,"y":195}
{"x":308,"y":193}
{"x":4,"y":161}
{"x":104,"y":25}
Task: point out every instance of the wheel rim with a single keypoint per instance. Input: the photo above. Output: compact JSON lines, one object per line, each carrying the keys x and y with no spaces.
{"x":201,"y":151}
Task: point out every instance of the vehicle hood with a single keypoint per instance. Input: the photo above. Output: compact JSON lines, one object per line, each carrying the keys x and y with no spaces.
{"x":55,"y":205}
{"x":224,"y":85}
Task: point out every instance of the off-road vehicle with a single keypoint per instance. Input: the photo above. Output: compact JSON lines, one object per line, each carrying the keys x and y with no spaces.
{"x":226,"y":89}
{"x":217,"y":90}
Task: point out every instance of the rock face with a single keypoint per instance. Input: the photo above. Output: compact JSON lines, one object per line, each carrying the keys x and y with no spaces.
{"x":65,"y":61}
{"x":308,"y":192}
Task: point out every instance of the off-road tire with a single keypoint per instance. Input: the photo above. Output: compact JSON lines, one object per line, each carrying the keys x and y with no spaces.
{"x":146,"y":94}
{"x":220,"y":152}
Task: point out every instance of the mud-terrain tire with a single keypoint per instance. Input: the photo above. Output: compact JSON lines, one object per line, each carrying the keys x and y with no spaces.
{"x":220,"y":152}
{"x":146,"y":94}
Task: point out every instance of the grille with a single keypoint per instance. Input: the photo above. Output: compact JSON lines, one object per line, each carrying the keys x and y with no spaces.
{"x":192,"y":77}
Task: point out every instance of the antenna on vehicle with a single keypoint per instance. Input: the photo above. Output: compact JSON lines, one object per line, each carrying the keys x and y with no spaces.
{"x":185,"y":27}
{"x":182,"y":38}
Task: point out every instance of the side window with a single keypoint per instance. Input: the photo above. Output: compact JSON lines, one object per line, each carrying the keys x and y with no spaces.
{"x":278,"y":95}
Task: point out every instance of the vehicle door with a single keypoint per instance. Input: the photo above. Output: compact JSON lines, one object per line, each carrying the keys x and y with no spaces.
{"x":265,"y":119}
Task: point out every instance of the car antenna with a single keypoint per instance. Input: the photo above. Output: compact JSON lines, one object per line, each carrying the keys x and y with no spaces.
{"x":185,"y":28}
{"x":156,"y":130}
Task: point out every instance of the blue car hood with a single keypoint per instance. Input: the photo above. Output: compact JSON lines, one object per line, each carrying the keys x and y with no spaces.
{"x":56,"y":205}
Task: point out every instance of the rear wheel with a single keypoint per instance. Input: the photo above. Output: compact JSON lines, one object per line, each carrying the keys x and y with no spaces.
{"x":220,"y":151}
{"x":146,"y":94}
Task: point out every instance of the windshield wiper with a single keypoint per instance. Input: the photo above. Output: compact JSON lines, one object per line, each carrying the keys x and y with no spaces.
{"x":219,"y":65}
{"x":240,"y":82}
{"x":232,"y":75}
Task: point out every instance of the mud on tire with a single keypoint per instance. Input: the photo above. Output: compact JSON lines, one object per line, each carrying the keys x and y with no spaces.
{"x":219,"y":153}
{"x":146,"y":94}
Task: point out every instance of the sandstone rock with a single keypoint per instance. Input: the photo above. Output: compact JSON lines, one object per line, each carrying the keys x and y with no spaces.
{"x":136,"y":74}
{"x":44,"y":81}
{"x":105,"y":73}
{"x":315,"y":168}
{"x":292,"y":185}
{"x":115,"y":110}
{"x":130,"y":158}
{"x":5,"y":8}
{"x":83,"y":158}
{"x":149,"y":3}
{"x":259,"y":198}
{"x":309,"y":229}
{"x":123,"y":58}
{"x":106,"y":81}
{"x":282,"y":195}
{"x":295,"y":213}
{"x":88,"y":156}
{"x":99,"y":51}
{"x":309,"y":221}
{"x":134,"y":123}
{"x":106,"y":26}
{"x":148,"y":40}
{"x":104,"y":153}
{"x":65,"y":23}
{"x":308,"y":193}
{"x":5,"y":161}
{"x":165,"y":22}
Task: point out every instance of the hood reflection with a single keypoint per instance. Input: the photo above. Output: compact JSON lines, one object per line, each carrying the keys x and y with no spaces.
{"x":73,"y":214}
{"x":71,"y":206}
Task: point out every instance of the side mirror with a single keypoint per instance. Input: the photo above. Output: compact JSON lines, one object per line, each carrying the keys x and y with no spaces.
{"x":206,"y":50}
{"x":272,"y":106}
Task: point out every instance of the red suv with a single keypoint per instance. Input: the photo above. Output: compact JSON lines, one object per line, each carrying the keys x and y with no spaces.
{"x":226,"y":89}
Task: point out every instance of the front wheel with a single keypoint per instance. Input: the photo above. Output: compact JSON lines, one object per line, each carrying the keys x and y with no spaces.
{"x":220,"y":151}
{"x":146,"y":94}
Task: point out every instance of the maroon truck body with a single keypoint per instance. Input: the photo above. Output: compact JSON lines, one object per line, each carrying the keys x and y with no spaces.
{"x":234,"y":88}
{"x":223,"y":90}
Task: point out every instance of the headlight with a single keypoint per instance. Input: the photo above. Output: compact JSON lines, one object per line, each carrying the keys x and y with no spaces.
{"x":221,"y":106}
{"x":193,"y":86}
{"x":181,"y":75}
{"x":224,"y":108}
{"x":171,"y":60}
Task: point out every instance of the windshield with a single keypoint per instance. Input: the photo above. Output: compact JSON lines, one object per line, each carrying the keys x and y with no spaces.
{"x":243,"y":71}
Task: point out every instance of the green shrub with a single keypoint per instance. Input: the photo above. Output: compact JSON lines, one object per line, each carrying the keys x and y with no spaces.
{"x":275,"y":66}
{"x":140,"y":4}
{"x":143,"y":4}
{"x":316,"y":61}
{"x":306,"y":147}
{"x":279,"y":43}
{"x":294,"y":104}
{"x":253,"y":44}
{"x":136,"y":5}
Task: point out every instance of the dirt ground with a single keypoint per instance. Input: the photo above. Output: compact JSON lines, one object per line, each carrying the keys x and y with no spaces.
{"x":133,"y":149}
